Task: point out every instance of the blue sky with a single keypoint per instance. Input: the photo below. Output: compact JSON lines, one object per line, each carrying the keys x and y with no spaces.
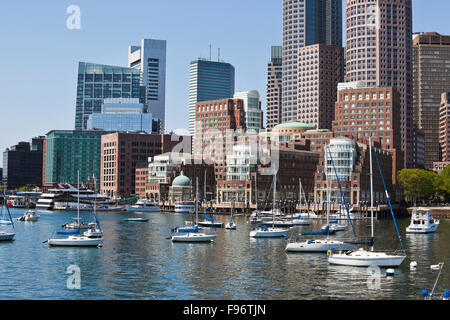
{"x":39,"y":55}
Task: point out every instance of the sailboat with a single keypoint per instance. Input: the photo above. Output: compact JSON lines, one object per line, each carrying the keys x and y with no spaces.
{"x":262,"y":231}
{"x":74,"y":239}
{"x":320,"y":245}
{"x":209,"y":221}
{"x":298,"y":219}
{"x":231,"y":225}
{"x":6,"y":236}
{"x":362,"y":257}
{"x":95,"y":230}
{"x":193,"y":236}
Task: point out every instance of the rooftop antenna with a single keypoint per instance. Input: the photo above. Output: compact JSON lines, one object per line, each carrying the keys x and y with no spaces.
{"x":210,"y":53}
{"x":218,"y":58}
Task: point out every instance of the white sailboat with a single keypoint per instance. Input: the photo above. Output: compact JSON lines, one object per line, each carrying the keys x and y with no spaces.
{"x":320,"y":245}
{"x":193,"y":236}
{"x":77,"y":240}
{"x":6,"y":236}
{"x":231,"y":225}
{"x":270,"y":232}
{"x":299,"y":219}
{"x":362,"y":257}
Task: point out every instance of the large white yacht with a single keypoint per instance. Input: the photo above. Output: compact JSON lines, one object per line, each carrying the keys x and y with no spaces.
{"x":65,"y":197}
{"x":422,"y":221}
{"x":184,"y":207}
{"x":144,"y":206}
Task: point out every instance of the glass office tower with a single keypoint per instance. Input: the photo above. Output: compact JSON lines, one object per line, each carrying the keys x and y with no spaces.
{"x":97,"y":82}
{"x":208,"y":80}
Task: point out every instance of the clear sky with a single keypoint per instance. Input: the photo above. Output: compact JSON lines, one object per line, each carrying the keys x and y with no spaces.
{"x":39,"y":55}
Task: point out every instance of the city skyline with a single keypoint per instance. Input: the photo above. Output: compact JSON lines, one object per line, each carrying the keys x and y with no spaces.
{"x":47,"y":99}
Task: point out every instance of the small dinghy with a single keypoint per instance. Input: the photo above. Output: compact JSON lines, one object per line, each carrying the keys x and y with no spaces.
{"x":135,"y":220}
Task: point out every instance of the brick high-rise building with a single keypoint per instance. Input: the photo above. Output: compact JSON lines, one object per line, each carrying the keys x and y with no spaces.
{"x":305,"y":22}
{"x":431,"y":74}
{"x":122,"y":152}
{"x":371,"y":112}
{"x":274,"y":81}
{"x":444,"y":126}
{"x":379,"y":52}
{"x":320,"y":69}
{"x":216,"y":123}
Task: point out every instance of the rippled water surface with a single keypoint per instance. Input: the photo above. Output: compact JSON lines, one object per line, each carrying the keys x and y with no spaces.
{"x":137,"y":261}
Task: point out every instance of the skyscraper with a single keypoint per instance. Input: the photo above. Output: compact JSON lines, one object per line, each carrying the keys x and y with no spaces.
{"x":274,"y":87}
{"x":150,"y":59}
{"x":305,"y":22}
{"x":431,"y":74}
{"x":252,"y":109}
{"x":97,"y":82}
{"x":379,"y":52}
{"x":208,"y":80}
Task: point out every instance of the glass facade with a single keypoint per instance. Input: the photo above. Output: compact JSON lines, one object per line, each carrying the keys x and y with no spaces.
{"x":139,"y":122}
{"x":97,"y":82}
{"x":252,"y":108}
{"x":66,"y":152}
{"x":208,"y":80}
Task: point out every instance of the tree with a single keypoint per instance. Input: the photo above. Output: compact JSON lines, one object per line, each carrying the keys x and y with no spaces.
{"x":418,"y":184}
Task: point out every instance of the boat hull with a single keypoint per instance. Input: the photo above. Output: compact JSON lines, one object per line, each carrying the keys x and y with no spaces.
{"x":364,"y":261}
{"x":318,"y":246}
{"x":71,"y":242}
{"x":270,"y":233}
{"x":211,"y":224}
{"x":193,"y":237}
{"x":420,"y":230}
{"x":132,"y":209}
{"x":6,"y":236}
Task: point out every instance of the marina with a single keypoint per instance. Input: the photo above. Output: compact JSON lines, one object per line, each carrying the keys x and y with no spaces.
{"x":137,"y":261}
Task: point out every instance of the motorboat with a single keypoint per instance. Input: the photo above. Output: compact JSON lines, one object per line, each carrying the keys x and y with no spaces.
{"x":144,"y":206}
{"x":422,"y":221}
{"x":364,"y":258}
{"x":29,"y":216}
{"x":184,"y":207}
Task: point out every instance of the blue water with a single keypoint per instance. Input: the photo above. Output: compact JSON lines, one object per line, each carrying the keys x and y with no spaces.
{"x":137,"y":261}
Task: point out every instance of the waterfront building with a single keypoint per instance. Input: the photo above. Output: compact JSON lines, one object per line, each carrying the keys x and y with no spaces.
{"x":120,"y":154}
{"x":97,"y":82}
{"x":141,"y":180}
{"x":208,"y":80}
{"x":164,"y":168}
{"x":252,"y":109}
{"x":150,"y":59}
{"x":439,"y":166}
{"x":217,"y":123}
{"x":22,"y":164}
{"x":444,"y":126}
{"x":431,"y":74}
{"x":305,"y":22}
{"x":274,"y":87}
{"x":379,"y":53}
{"x":126,"y":115}
{"x":373,"y":112}
{"x":181,"y":189}
{"x":70,"y":151}
{"x":320,"y":69}
{"x":350,"y":157}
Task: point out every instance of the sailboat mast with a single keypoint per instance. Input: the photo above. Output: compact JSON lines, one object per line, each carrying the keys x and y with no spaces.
{"x":78,"y":207}
{"x":204,"y":192}
{"x":328,"y":189}
{"x":196,"y":202}
{"x":256,"y":188}
{"x":274,"y":198}
{"x":300,"y":194}
{"x":371,"y":186}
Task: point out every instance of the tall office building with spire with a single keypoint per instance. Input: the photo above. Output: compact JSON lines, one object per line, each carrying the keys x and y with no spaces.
{"x":150,"y":59}
{"x":208,"y":80}
{"x":305,"y":23}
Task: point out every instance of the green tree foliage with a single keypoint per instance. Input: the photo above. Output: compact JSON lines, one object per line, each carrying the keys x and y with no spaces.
{"x":424,"y":184}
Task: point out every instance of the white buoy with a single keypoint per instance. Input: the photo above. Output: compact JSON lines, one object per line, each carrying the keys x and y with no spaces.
{"x":413,"y":265}
{"x":390,"y":272}
{"x":435,"y":267}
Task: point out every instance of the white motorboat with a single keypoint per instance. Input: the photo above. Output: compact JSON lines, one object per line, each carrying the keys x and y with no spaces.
{"x":184,"y":207}
{"x":76,"y":241}
{"x":362,"y":257}
{"x":422,"y":221}
{"x":29,"y":216}
{"x":193,"y":237}
{"x":144,"y":206}
{"x":270,"y":232}
{"x":318,"y":246}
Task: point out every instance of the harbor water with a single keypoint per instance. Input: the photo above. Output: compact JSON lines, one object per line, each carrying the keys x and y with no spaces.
{"x":138,"y":261}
